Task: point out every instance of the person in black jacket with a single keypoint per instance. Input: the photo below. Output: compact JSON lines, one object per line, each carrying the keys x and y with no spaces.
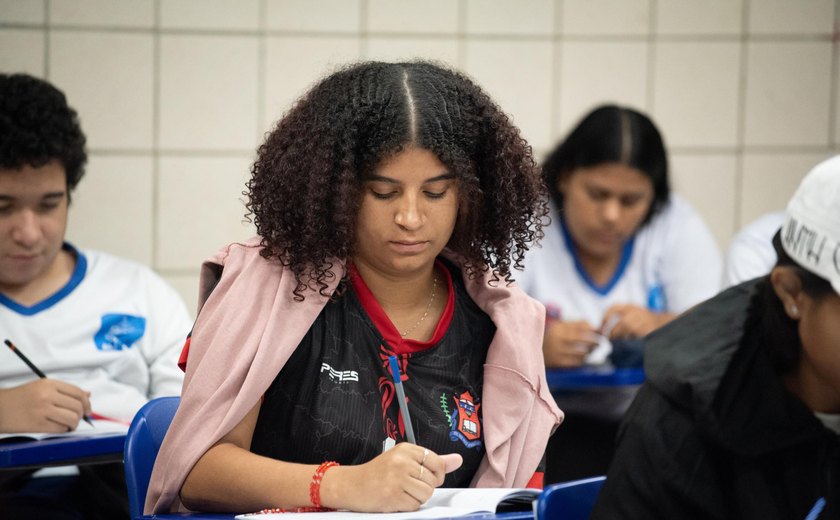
{"x":740,"y":416}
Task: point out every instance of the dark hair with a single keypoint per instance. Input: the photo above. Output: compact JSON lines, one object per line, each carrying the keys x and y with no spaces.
{"x":305,"y":189}
{"x":611,"y":134}
{"x":767,"y":314}
{"x":37,"y":126}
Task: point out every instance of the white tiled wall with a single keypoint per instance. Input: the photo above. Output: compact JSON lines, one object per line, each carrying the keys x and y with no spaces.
{"x":438,"y":17}
{"x":207,"y":92}
{"x":517,"y":74}
{"x":689,"y":78}
{"x":117,"y":112}
{"x":502,"y":17}
{"x":102,"y":13}
{"x":788,"y":93}
{"x":175,"y":95}
{"x":112,"y":208}
{"x":234,"y":15}
{"x":690,"y":17}
{"x":319,"y":16}
{"x":293,"y":63}
{"x":200,"y":208}
{"x":621,"y":77}
{"x":603,"y":18}
{"x":29,"y":51}
{"x":22,"y":11}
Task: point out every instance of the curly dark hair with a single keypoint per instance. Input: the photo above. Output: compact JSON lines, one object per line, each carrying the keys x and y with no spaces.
{"x":305,"y":190}
{"x":612,"y":134}
{"x":37,"y":126}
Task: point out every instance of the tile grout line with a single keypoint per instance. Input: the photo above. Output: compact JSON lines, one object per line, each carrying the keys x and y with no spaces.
{"x":741,"y":128}
{"x":156,"y":118}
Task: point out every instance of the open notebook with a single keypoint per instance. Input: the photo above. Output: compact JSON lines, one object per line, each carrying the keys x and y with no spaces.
{"x":100,"y":427}
{"x":444,"y":503}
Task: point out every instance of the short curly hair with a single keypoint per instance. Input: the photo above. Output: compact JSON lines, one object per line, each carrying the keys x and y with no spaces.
{"x":37,"y":126}
{"x":306,"y":184}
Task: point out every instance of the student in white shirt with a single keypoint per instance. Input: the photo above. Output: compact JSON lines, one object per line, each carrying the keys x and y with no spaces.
{"x":623,"y":256}
{"x":751,"y":252}
{"x":107,"y":332}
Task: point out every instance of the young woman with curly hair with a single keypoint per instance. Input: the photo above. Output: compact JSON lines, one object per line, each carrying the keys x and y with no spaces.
{"x":391,"y":203}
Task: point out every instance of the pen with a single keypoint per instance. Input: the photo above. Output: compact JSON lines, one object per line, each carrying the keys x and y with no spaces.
{"x":395,"y":372}
{"x":35,"y":369}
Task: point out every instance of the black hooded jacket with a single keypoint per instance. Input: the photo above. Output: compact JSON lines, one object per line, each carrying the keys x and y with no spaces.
{"x":714,"y":433}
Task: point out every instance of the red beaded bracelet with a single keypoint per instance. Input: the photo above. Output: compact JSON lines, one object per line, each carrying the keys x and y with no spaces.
{"x":308,"y":509}
{"x":315,"y":485}
{"x":314,"y":493}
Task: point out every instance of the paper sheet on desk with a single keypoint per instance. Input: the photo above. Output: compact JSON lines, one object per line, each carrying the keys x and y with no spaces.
{"x":444,"y":503}
{"x":100,"y":427}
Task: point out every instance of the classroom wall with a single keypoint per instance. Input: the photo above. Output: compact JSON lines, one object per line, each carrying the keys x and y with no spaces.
{"x":175,"y":95}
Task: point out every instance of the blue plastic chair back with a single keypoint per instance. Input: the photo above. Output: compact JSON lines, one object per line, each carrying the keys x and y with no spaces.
{"x":569,"y":500}
{"x":142,"y":443}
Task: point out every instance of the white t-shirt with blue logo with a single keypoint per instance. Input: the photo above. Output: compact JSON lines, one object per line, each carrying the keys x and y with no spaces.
{"x":115,"y":329}
{"x":671,"y":264}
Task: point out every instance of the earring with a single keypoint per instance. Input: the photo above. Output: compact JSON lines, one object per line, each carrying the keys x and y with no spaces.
{"x":794,"y":311}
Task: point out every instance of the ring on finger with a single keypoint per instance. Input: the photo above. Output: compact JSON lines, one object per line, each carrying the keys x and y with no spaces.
{"x":425,"y":454}
{"x":421,"y":472}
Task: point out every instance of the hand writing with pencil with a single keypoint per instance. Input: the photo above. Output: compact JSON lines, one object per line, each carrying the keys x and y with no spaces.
{"x":401,"y":479}
{"x":43,"y":405}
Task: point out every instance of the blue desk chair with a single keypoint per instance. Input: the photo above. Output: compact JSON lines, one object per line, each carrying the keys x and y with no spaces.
{"x":569,"y":500}
{"x":141,"y":448}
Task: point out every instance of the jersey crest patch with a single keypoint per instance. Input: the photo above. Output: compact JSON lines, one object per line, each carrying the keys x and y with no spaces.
{"x":464,"y":421}
{"x":119,"y":331}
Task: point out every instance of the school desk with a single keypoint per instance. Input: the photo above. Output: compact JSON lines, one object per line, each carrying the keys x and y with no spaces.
{"x":61,"y":451}
{"x":211,"y":516}
{"x":570,"y":379}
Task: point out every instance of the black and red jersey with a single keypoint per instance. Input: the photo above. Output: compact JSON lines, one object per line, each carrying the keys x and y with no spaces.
{"x":335,"y":399}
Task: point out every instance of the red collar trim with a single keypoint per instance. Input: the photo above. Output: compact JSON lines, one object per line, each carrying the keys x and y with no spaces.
{"x":383,"y":323}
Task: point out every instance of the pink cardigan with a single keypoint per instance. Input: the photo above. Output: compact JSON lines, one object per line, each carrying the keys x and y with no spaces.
{"x":249,"y":325}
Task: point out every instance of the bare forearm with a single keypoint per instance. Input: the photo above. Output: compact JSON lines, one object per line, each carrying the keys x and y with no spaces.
{"x":231,"y":479}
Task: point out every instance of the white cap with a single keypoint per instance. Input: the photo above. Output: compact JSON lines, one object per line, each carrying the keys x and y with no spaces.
{"x":811,"y":231}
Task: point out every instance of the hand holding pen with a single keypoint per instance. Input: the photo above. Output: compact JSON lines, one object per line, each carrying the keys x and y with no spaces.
{"x":400,"y":479}
{"x":44,"y":405}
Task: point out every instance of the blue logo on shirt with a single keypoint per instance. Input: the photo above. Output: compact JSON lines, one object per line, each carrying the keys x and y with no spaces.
{"x":656,"y":299}
{"x":119,"y":331}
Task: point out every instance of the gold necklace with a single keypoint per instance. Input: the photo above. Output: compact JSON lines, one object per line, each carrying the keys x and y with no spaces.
{"x":426,"y":312}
